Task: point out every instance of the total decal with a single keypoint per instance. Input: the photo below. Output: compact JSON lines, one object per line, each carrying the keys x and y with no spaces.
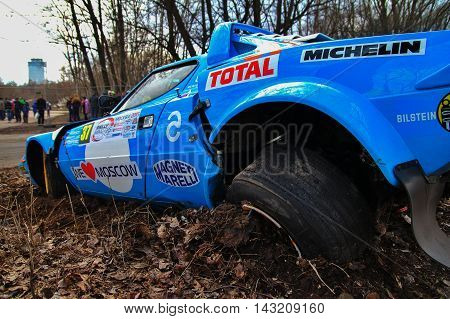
{"x":257,"y":69}
{"x":176,"y":173}
{"x":123,"y":125}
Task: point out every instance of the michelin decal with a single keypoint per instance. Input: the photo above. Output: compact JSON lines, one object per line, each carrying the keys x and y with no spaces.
{"x":176,"y":173}
{"x":369,"y":50}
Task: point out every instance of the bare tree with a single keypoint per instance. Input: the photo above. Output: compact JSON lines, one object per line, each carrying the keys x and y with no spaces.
{"x":115,"y":42}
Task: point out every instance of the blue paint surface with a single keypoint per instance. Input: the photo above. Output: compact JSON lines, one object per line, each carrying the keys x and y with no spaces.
{"x":389,"y":103}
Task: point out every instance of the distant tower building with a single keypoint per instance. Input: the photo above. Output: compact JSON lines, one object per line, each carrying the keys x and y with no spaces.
{"x":36,"y":71}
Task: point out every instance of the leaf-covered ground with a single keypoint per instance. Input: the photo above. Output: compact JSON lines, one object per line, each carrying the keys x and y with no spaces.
{"x":82,"y":247}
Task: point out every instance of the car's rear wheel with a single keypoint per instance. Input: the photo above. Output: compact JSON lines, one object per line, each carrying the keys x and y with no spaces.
{"x":317,"y":205}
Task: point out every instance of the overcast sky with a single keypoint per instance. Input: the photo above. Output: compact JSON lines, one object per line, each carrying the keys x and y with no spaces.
{"x":21,"y":40}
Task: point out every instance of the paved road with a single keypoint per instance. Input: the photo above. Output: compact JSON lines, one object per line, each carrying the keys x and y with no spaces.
{"x":31,"y":120}
{"x":12,"y":146}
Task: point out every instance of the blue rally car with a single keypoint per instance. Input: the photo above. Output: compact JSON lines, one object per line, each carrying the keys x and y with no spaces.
{"x":307,"y":131}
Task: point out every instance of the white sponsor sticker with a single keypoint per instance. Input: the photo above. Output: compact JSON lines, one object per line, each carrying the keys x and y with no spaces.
{"x":109,"y":163}
{"x":123,"y":125}
{"x":257,"y":69}
{"x":176,"y":173}
{"x":89,"y":171}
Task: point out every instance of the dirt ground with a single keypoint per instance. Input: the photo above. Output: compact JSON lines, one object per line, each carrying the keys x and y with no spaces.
{"x":81,"y":247}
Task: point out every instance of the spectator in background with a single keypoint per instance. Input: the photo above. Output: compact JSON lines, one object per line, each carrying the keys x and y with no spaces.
{"x":93,"y":101}
{"x":18,"y":110}
{"x":8,"y":109}
{"x":2,"y":109}
{"x":76,"y":105}
{"x":49,"y":108}
{"x":41,"y":105}
{"x":13,"y":108}
{"x":25,"y":110}
{"x":70,"y":109}
{"x":85,"y":105}
{"x":34,"y":107}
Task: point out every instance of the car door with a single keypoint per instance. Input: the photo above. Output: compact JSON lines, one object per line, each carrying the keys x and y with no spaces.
{"x":181,"y":166}
{"x":109,"y":156}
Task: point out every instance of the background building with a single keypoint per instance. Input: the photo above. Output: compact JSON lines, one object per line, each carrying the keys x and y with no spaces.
{"x":36,"y":71}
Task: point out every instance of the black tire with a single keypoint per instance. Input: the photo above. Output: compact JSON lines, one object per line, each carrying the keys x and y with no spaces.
{"x":318,"y":206}
{"x":54,"y":181}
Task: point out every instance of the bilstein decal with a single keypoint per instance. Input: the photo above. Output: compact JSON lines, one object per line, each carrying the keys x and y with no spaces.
{"x":175,"y":173}
{"x":443,"y":113}
{"x":368,"y":50}
{"x":257,"y":69}
{"x":416,"y":117}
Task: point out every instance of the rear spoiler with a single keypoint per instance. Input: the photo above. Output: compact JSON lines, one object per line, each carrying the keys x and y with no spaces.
{"x":226,"y":38}
{"x":221,"y":45}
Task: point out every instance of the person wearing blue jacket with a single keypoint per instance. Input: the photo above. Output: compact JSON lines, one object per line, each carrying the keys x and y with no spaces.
{"x":25,"y":111}
{"x":35,"y":107}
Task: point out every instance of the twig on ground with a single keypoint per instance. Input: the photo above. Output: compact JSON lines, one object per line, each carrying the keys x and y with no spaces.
{"x":348,"y":276}
{"x":53,"y":209}
{"x":71,"y":207}
{"x":320,"y":278}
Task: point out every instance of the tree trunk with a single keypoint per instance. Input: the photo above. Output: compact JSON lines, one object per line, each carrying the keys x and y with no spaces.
{"x":112,"y":67}
{"x":98,"y":42}
{"x":226,"y":16}
{"x":257,"y":13}
{"x":172,"y":7}
{"x":171,"y":45}
{"x":204,"y":28}
{"x":210,"y":16}
{"x":122,"y":53}
{"x":278,"y":16}
{"x":82,"y":47}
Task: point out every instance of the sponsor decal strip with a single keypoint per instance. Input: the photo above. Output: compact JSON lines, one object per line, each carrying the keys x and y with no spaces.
{"x":368,"y":50}
{"x":124,"y":125}
{"x":253,"y":70}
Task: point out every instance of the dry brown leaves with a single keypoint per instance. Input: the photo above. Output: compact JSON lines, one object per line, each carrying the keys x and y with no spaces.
{"x":135,"y":252}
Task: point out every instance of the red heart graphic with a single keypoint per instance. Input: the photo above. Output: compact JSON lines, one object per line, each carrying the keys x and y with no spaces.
{"x":89,"y":170}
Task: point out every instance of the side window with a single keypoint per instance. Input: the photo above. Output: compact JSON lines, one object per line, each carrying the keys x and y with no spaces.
{"x":158,"y":84}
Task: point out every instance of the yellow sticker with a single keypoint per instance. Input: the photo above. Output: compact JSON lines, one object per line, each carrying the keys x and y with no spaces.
{"x":443,"y":113}
{"x":86,"y":133}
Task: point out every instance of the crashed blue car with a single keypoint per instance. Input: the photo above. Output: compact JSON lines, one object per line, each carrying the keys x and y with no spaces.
{"x":306,"y":131}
